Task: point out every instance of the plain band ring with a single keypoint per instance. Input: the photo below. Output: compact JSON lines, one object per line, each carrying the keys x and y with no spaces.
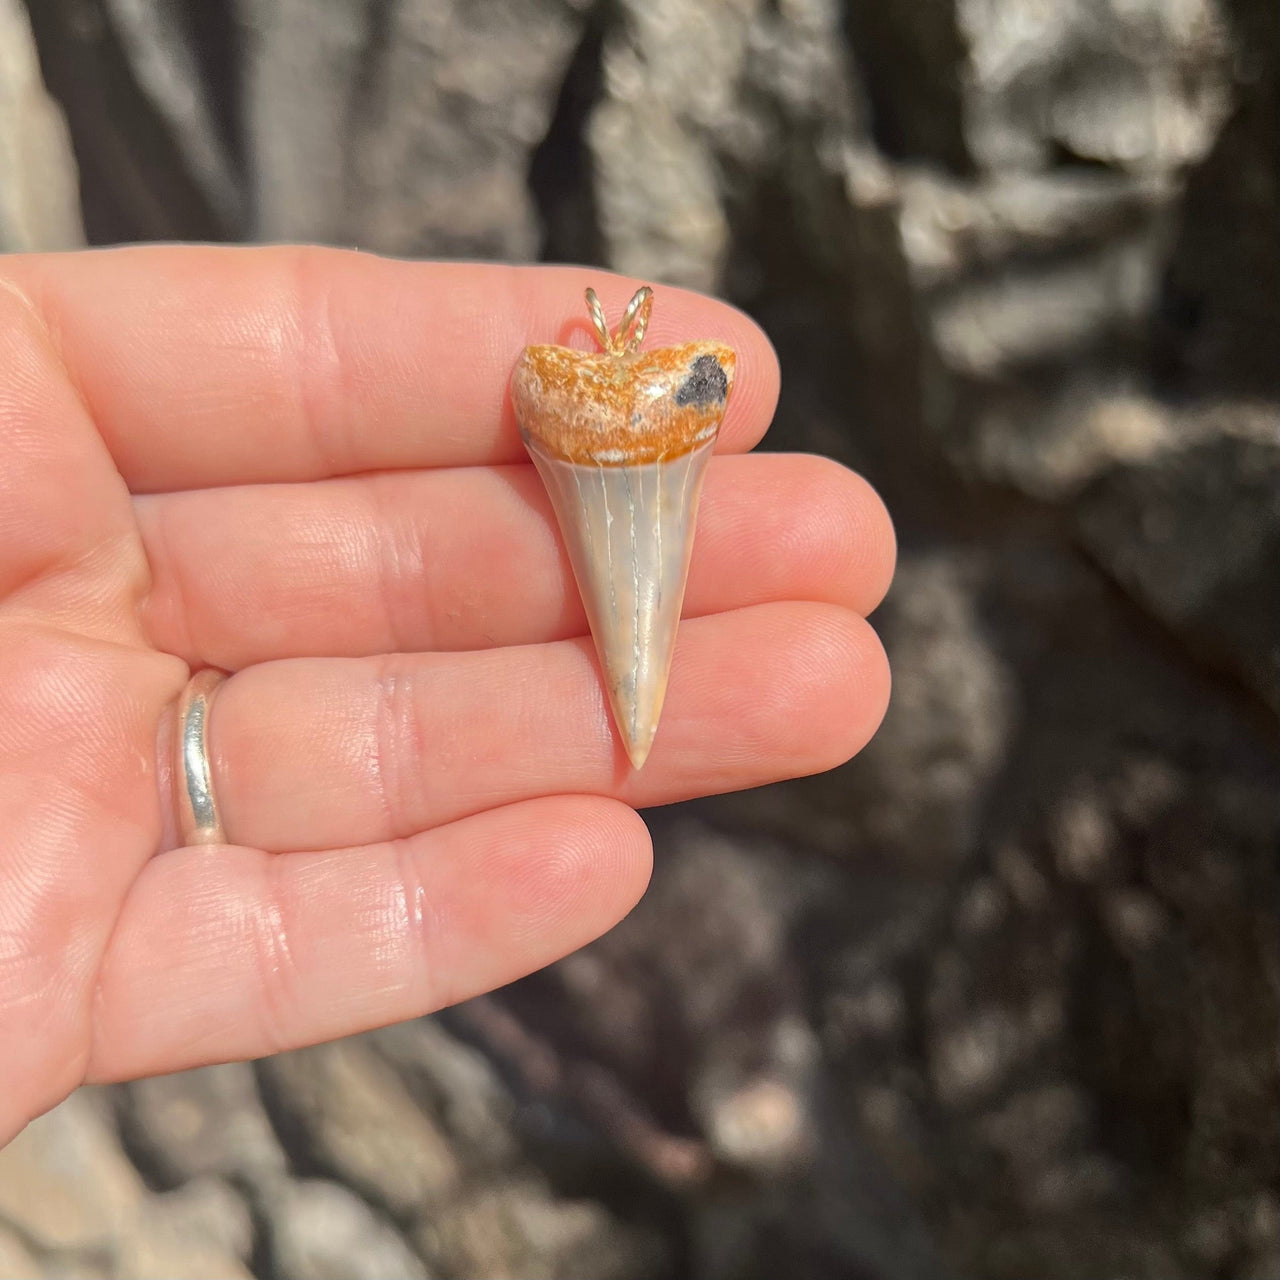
{"x":198,"y":817}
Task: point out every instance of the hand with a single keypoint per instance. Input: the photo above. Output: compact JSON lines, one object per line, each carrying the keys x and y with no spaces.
{"x":301,"y":466}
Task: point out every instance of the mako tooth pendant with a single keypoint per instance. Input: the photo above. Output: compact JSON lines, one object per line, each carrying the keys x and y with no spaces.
{"x":622,"y":439}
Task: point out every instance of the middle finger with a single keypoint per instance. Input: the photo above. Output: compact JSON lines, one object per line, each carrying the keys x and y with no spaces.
{"x":470,"y":558}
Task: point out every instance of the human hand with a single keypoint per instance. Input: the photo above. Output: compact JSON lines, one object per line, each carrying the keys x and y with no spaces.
{"x":301,"y":466}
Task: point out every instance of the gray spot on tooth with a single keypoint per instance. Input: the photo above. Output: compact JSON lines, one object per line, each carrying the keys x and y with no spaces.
{"x":706,"y":383}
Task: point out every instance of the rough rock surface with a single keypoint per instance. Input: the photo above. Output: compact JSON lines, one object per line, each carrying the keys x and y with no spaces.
{"x":72,"y":1204}
{"x":1000,"y":997}
{"x":39,"y":205}
{"x":318,"y":1231}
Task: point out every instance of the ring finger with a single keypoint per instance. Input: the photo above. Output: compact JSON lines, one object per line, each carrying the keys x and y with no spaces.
{"x":325,"y":753}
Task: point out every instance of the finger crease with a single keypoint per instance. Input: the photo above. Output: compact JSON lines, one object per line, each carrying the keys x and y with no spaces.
{"x":276,"y":967}
{"x":399,"y":562}
{"x":398,"y":750}
{"x":421,"y":924}
{"x":181,"y":594}
{"x":320,"y":376}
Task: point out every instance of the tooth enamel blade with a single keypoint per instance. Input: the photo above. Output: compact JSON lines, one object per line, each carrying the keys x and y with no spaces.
{"x":629,"y":533}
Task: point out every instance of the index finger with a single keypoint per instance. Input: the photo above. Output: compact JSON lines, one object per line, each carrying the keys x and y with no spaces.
{"x":207,"y":366}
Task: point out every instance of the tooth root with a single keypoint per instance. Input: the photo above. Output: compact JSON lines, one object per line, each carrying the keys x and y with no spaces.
{"x":629,"y":533}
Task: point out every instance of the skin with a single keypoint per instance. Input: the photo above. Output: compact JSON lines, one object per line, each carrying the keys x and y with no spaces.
{"x":301,"y":466}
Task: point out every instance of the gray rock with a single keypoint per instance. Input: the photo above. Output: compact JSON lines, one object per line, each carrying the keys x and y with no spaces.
{"x":406,"y":128}
{"x":915,"y":796}
{"x":1193,"y":532}
{"x":136,"y":181}
{"x":1032,"y":283}
{"x":519,"y":1228}
{"x":1037,"y":1126}
{"x":1219,"y":324}
{"x":458,"y":1085}
{"x":1140,"y":86}
{"x":701,"y":105}
{"x":1021,"y":318}
{"x":319,"y":1231}
{"x":350,"y":1113}
{"x":953,"y":228}
{"x":670,"y":77}
{"x":207,"y":1209}
{"x":162,"y":40}
{"x":302,"y":69}
{"x":949,"y":723}
{"x":17,"y":1262}
{"x":196,"y":1123}
{"x":1050,"y":446}
{"x":39,"y":206}
{"x":75,"y":1200}
{"x":66,"y":1182}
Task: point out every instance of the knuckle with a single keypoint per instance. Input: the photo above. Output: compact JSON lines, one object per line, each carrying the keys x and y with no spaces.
{"x":276,"y":968}
{"x":400,"y":738}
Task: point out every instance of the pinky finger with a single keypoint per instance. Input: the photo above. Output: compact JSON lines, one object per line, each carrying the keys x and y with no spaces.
{"x":223,"y":953}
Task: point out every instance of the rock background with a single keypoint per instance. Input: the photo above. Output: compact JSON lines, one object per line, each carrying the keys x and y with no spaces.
{"x":997,"y":999}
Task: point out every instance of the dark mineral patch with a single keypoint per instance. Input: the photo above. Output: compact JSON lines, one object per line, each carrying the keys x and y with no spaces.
{"x":706,"y":383}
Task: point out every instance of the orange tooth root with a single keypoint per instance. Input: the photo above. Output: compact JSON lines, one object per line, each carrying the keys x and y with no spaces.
{"x":620,"y":410}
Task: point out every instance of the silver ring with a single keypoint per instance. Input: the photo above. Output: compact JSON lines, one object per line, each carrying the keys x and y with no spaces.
{"x":198,"y":817}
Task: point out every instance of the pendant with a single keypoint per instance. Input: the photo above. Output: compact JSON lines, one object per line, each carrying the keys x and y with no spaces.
{"x":622,"y":439}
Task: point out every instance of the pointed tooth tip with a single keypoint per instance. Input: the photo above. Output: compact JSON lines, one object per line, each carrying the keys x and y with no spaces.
{"x":639,"y":742}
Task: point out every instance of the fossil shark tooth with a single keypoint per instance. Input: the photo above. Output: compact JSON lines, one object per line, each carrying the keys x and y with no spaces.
{"x":621,"y":439}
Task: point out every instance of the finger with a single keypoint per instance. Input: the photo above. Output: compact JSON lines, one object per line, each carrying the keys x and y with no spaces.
{"x":223,"y":953}
{"x":79,"y":815}
{"x":321,"y":753}
{"x":66,"y":551}
{"x":210,"y":366}
{"x":470,"y":558}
